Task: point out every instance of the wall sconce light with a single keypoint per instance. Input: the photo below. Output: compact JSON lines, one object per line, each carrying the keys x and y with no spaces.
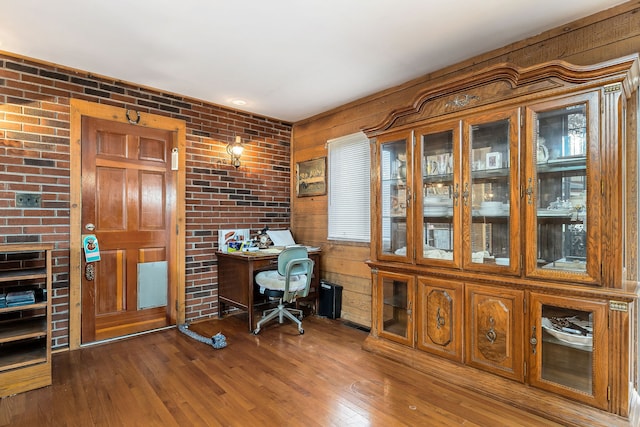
{"x":235,"y":151}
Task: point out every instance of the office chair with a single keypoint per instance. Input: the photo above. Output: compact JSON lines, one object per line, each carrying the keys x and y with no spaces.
{"x":291,"y":280}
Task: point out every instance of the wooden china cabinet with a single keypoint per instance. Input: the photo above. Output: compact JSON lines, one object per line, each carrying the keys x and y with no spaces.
{"x":499,"y":229}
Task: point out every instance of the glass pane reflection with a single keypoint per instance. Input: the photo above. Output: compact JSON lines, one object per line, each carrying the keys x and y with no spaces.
{"x":567,"y":347}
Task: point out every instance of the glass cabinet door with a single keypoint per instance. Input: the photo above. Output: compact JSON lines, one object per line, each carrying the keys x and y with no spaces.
{"x":560,"y":201}
{"x":437,"y":202}
{"x":491,"y":193}
{"x":395,"y":223}
{"x":395,"y":316}
{"x":568,"y":347}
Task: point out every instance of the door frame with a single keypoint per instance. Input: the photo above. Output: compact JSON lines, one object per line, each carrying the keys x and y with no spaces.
{"x":78,"y":109}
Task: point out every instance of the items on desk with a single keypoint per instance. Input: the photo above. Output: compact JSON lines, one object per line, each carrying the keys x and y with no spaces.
{"x":281,"y":237}
{"x":249,"y":246}
{"x":263,"y":239}
{"x":231,"y":240}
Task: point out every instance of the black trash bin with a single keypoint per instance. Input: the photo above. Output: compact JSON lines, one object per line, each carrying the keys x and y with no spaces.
{"x":330,"y":300}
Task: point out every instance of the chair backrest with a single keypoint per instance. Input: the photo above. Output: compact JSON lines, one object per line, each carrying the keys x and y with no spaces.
{"x":292,"y":261}
{"x":289,"y":253}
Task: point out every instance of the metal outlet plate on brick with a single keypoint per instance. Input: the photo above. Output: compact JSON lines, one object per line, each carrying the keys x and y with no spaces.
{"x":28,"y":200}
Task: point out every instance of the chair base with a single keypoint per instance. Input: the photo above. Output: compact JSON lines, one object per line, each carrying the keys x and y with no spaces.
{"x":280,"y":312}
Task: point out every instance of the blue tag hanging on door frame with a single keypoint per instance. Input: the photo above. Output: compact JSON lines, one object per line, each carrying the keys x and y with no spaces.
{"x":91,"y":249}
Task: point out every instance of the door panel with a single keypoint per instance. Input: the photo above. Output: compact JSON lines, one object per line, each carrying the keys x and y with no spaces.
{"x":440,"y":317}
{"x":109,"y":296}
{"x":152,"y":201}
{"x":126,"y":186}
{"x":494,"y":324}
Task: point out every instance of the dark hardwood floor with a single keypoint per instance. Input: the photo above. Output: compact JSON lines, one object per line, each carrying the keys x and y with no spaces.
{"x":279,"y":378}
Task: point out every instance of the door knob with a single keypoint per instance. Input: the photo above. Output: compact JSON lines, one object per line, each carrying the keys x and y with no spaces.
{"x":89,"y":227}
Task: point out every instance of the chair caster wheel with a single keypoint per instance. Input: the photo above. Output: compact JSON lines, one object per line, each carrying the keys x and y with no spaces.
{"x":301,"y":331}
{"x":256,"y":331}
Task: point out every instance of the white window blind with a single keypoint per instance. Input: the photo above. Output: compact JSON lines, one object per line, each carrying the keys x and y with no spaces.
{"x":349,"y":188}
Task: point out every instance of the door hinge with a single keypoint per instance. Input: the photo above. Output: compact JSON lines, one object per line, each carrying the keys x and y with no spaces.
{"x":608,"y":393}
{"x":525,"y":369}
{"x":177,"y":229}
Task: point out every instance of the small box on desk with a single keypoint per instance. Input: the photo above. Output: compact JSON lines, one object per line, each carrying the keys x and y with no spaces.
{"x":330,"y":300}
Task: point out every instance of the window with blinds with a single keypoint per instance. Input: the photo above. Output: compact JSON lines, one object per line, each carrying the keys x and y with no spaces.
{"x":349,"y":188}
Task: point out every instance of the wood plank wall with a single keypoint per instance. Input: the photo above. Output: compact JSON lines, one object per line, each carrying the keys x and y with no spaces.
{"x":609,"y":34}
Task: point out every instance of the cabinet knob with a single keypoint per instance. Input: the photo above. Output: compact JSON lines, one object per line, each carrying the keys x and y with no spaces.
{"x":491,"y":334}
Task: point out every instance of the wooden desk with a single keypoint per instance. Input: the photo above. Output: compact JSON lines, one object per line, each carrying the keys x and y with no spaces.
{"x":236,"y":271}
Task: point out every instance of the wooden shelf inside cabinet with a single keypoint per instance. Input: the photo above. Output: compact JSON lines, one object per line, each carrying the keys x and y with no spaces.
{"x":563,"y":165}
{"x":396,"y":301}
{"x":24,"y":355}
{"x":14,"y":308}
{"x":20,"y":329}
{"x":27,"y":274}
{"x":25,"y":330}
{"x":438,"y":179}
{"x":490,"y":174}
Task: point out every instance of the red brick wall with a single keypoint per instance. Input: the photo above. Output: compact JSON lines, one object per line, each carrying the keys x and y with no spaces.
{"x":34,"y":158}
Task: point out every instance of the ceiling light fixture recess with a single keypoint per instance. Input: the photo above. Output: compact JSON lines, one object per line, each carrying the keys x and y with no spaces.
{"x":238,"y":102}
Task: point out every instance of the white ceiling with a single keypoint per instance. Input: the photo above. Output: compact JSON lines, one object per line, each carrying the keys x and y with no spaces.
{"x":288,"y":59}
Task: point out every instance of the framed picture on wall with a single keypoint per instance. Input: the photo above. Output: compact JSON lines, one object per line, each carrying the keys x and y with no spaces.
{"x":311,"y":177}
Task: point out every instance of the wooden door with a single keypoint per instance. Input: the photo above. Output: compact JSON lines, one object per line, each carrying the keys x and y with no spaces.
{"x":128,"y":196}
{"x":569,"y":347}
{"x":395,"y":293}
{"x":393,"y":220}
{"x":494,"y":330}
{"x":566,"y":196}
{"x":440,"y":317}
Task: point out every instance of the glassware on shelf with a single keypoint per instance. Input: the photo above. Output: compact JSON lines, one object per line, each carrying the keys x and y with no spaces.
{"x":394,"y":201}
{"x":438,"y":233}
{"x":562,"y":188}
{"x":490,"y":179}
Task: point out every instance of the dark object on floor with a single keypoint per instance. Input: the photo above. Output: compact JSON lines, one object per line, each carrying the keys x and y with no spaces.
{"x":330,"y":300}
{"x":217,"y":341}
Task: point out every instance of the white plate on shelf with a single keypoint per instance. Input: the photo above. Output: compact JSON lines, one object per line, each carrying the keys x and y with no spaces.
{"x":568,"y":159}
{"x":555,"y":212}
{"x":585,"y":341}
{"x":491,"y":212}
{"x":435,"y":210}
